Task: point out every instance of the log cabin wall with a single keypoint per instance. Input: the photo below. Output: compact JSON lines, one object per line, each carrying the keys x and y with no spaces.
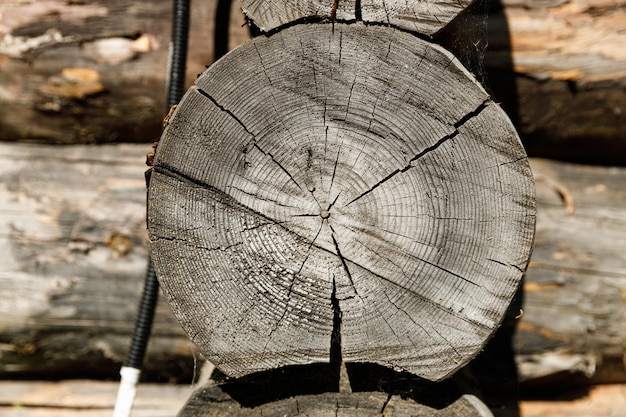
{"x":559,"y":67}
{"x":564,"y":108}
{"x":556,"y":66}
{"x":72,"y":221}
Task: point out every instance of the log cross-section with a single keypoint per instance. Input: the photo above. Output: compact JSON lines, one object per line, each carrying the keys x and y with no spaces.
{"x":340,"y":192}
{"x":425,"y":17}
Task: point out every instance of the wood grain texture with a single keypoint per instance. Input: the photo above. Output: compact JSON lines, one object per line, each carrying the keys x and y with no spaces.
{"x":61,"y":273}
{"x":424,"y":17}
{"x":73,"y":250}
{"x":340,"y":187}
{"x":585,"y":38}
{"x":86,"y":398}
{"x":124,"y":44}
{"x":212,"y":402}
{"x":559,"y":67}
{"x":573,"y":325}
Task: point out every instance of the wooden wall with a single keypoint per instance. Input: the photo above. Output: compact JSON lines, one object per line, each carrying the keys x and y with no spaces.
{"x":72,"y":229}
{"x":73,"y":244}
{"x":95,"y":71}
{"x":556,"y":66}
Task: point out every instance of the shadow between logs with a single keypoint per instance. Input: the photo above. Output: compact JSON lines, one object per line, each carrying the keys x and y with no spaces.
{"x":277,"y":384}
{"x":492,"y":377}
{"x":483,"y":25}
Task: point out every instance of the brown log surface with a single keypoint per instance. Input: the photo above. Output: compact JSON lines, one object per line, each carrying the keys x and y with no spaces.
{"x":94,"y":72}
{"x":575,"y":290}
{"x":74,"y":253}
{"x":88,"y":398}
{"x":340,"y":192}
{"x":559,"y":67}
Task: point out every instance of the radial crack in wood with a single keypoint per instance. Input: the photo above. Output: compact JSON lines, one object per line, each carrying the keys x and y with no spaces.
{"x":425,"y":17}
{"x":424,"y":152}
{"x":272,"y":206}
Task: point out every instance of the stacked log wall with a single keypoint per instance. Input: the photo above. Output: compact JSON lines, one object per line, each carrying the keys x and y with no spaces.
{"x":72,"y":233}
{"x":557,"y":67}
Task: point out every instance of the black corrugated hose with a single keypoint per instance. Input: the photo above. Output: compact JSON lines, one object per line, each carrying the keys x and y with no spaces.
{"x":145,"y":316}
{"x":175,"y":88}
{"x":177,"y":62}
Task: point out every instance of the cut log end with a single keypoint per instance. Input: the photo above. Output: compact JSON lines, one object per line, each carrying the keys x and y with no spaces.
{"x":422,"y":17}
{"x":350,"y":188}
{"x":212,"y":401}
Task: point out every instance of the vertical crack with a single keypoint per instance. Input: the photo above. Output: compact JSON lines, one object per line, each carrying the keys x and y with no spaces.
{"x":358,"y":14}
{"x":333,"y":10}
{"x":383,"y":410}
{"x":337,"y":365}
{"x":343,"y":260}
{"x":332,"y":179}
{"x":340,"y":45}
{"x":335,"y":340}
{"x":387,"y":12}
{"x":334,"y":201}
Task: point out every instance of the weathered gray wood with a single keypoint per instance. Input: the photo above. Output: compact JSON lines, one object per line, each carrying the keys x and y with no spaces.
{"x":86,"y":398}
{"x":73,"y":257}
{"x":424,"y":17}
{"x":573,"y":324}
{"x":212,"y":402}
{"x":120,"y":48}
{"x":560,"y":331}
{"x":340,"y":192}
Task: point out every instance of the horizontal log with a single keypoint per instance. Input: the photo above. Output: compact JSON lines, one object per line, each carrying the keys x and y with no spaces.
{"x":598,"y":401}
{"x":95,"y":72}
{"x":423,"y":17}
{"x":558,"y":68}
{"x":72,"y":233}
{"x":575,"y":291}
{"x":73,"y":238}
{"x":210,"y":402}
{"x":87,"y":398}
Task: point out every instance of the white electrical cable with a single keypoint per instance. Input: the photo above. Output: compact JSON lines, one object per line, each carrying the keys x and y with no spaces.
{"x":126,"y":392}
